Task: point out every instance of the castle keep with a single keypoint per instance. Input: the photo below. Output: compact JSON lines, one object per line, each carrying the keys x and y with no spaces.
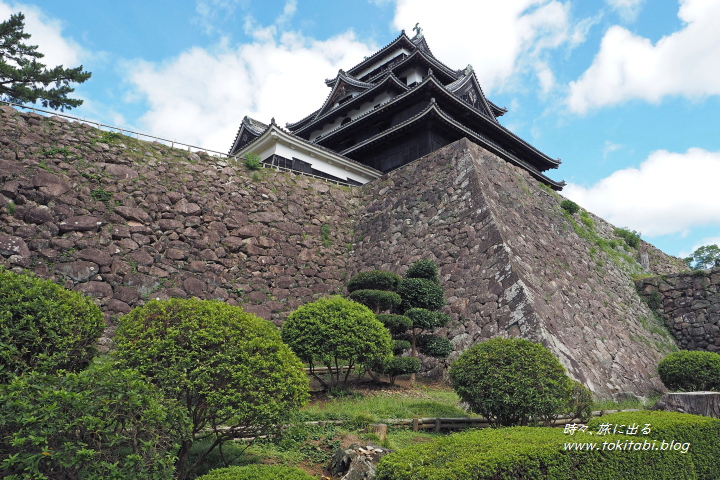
{"x":395,"y":106}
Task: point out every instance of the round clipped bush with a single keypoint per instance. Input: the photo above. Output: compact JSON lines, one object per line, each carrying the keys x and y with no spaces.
{"x":434,"y":346}
{"x":229,"y":368}
{"x":423,"y":269}
{"x":374,"y":280}
{"x":44,"y":327}
{"x":376,"y":300}
{"x":105,"y":422}
{"x":689,"y":371}
{"x":257,"y":472}
{"x":421,"y":293}
{"x":336,"y":331}
{"x":508,"y":381}
{"x":395,"y":323}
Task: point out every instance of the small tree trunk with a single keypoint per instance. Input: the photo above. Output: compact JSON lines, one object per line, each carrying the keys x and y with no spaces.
{"x":413,"y":353}
{"x":182,"y":459}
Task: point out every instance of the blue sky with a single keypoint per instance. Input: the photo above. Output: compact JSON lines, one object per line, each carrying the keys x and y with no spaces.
{"x":625,"y":92}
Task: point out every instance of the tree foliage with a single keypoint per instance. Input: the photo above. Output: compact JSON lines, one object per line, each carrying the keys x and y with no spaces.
{"x":225,"y":366}
{"x":335,"y":332}
{"x":376,"y":300}
{"x":704,"y":257}
{"x":421,"y":293}
{"x":23,"y":79}
{"x":508,"y":381}
{"x":423,"y":269}
{"x":105,"y":422}
{"x":374,"y":280}
{"x":689,"y":371}
{"x":44,"y":327}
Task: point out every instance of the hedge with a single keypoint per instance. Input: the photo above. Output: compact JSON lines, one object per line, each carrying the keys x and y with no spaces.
{"x":535,"y":453}
{"x":257,"y":472}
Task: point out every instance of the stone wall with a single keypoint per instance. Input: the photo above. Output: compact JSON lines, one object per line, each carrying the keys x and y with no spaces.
{"x":125,"y":221}
{"x":689,"y":304}
{"x":513,"y":264}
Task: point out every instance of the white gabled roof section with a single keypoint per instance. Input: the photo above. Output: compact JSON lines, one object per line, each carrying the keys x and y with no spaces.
{"x":276,"y":141}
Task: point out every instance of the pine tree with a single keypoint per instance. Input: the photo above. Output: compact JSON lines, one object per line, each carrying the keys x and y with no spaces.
{"x":25,"y":80}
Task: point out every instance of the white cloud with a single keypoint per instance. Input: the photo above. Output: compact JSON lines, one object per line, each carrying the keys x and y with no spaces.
{"x":628,"y":9}
{"x":668,"y":193}
{"x":201,"y":96}
{"x":499,"y":38}
{"x":610,"y":147}
{"x":629,"y":66}
{"x":209,"y":11}
{"x":47,"y":35}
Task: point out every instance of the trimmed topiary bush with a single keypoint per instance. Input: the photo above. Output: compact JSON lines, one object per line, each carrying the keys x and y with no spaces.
{"x":434,"y":346}
{"x":376,"y":300}
{"x":44,"y":327}
{"x":421,"y":293}
{"x":374,"y":280}
{"x":395,"y":323}
{"x":510,"y":380}
{"x":335,"y":332}
{"x":399,"y":346}
{"x":227,"y":367}
{"x":257,"y":472}
{"x":105,"y":422}
{"x":689,"y":371}
{"x":423,"y":269}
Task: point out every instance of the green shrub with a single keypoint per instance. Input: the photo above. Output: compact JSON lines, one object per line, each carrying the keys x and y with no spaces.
{"x":421,"y":293}
{"x":252,"y":161}
{"x":569,"y":206}
{"x":225,"y":366}
{"x":101,"y":195}
{"x":423,"y":269}
{"x":103,"y":423}
{"x":376,"y":300}
{"x":534,"y":453}
{"x":631,"y":237}
{"x":44,"y":327}
{"x":425,"y":319}
{"x":508,"y":381}
{"x":257,"y":472}
{"x":397,"y":366}
{"x":399,"y":346}
{"x":335,"y":332}
{"x":689,"y":371}
{"x":434,"y":346}
{"x":374,"y":280}
{"x":395,"y":323}
{"x":580,"y":404}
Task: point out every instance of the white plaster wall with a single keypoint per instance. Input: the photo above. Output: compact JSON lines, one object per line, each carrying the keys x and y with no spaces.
{"x":284,"y":150}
